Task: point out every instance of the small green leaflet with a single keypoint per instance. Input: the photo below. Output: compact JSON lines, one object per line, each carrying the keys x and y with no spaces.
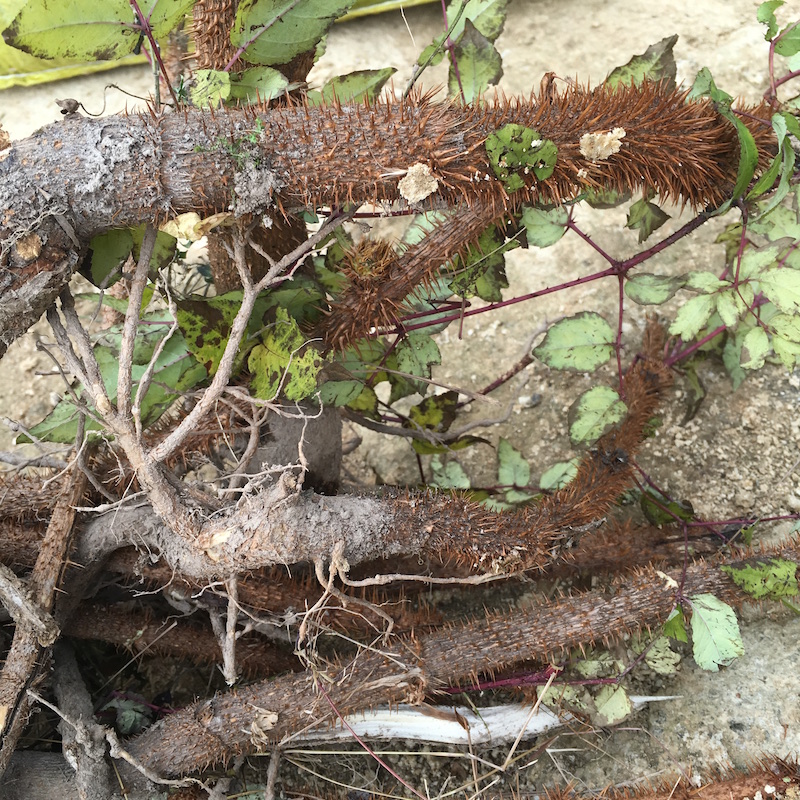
{"x":275,"y":31}
{"x":660,"y":510}
{"x":645,"y":217}
{"x":657,"y":63}
{"x":435,"y":413}
{"x":515,"y":150}
{"x":488,"y":16}
{"x":481,"y":270}
{"x":212,"y":87}
{"x":661,"y":658}
{"x":766,"y":16}
{"x":559,"y":475}
{"x":479,"y":65}
{"x":786,"y":338}
{"x":692,"y":316}
{"x":544,"y":227}
{"x":257,"y":84}
{"x":613,"y":705}
{"x":415,"y":355}
{"x":283,"y":365}
{"x":364,"y":84}
{"x":593,"y":413}
{"x":448,"y":476}
{"x":716,"y":641}
{"x":675,"y":626}
{"x":581,"y":343}
{"x":646,"y":288}
{"x":775,"y":578}
{"x":339,"y":393}
{"x":513,"y":472}
{"x":782,"y":286}
{"x":755,"y":349}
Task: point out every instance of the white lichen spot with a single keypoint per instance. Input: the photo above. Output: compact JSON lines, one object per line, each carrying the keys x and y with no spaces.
{"x":769,"y":789}
{"x":599,"y":146}
{"x":582,"y":173}
{"x":418,"y":183}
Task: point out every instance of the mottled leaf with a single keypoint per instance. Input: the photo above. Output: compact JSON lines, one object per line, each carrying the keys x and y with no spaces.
{"x":646,"y":288}
{"x":645,"y":217}
{"x":580,"y":343}
{"x":544,"y":227}
{"x":283,"y":365}
{"x":479,"y":65}
{"x":716,"y":641}
{"x":593,"y":413}
{"x":657,"y":63}
{"x":364,"y":84}
{"x":275,"y":31}
{"x":773,"y":578}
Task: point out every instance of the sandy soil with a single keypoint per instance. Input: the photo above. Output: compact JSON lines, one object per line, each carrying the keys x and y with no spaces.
{"x":735,"y":457}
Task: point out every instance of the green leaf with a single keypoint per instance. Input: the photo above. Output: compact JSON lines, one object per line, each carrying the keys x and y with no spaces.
{"x":766,"y":16}
{"x":788,"y":43}
{"x":774,"y":578}
{"x":109,"y":251}
{"x":706,"y":282}
{"x":782,"y":287}
{"x":206,"y":324}
{"x":512,"y":468}
{"x":657,"y":63}
{"x":731,"y":304}
{"x":339,"y":393}
{"x":613,"y":705}
{"x":479,"y":65}
{"x":593,"y":413}
{"x":275,"y":31}
{"x":283,"y":365}
{"x":716,"y":641}
{"x":87,"y":29}
{"x":515,"y":150}
{"x":488,"y":16}
{"x":755,"y":259}
{"x":481,"y":270}
{"x":645,"y":288}
{"x":83,"y":29}
{"x":692,"y":316}
{"x":364,"y":84}
{"x":704,"y":86}
{"x":544,"y":227}
{"x":257,"y":84}
{"x":559,"y":475}
{"x":175,"y":372}
{"x":755,"y":349}
{"x":450,"y":475}
{"x":675,"y":626}
{"x":582,"y":343}
{"x":660,"y":510}
{"x":645,"y":217}
{"x":416,"y":354}
{"x":435,"y":413}
{"x":661,"y":658}
{"x":211,"y":89}
{"x":424,"y":448}
{"x":366,"y":403}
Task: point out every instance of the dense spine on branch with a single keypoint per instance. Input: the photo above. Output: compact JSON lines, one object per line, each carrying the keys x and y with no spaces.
{"x":74,"y":179}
